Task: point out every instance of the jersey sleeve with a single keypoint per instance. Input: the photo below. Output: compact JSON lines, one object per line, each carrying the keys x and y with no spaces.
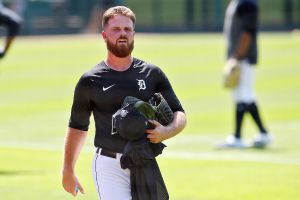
{"x":165,"y":88}
{"x":248,"y":12}
{"x":81,"y":107}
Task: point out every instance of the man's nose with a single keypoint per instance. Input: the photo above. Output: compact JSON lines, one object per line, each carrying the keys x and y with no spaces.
{"x":123,"y":34}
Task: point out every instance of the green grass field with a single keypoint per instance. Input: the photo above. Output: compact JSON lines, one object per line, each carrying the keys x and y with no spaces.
{"x":37,"y":80}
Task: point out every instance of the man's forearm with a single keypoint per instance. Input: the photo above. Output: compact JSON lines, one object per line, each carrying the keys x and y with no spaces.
{"x":243,"y":45}
{"x":73,"y":143}
{"x":177,"y":125}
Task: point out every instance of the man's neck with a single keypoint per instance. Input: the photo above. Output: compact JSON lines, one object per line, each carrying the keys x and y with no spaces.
{"x":117,"y":63}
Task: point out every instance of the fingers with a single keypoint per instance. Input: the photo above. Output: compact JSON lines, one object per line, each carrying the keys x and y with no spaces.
{"x":155,"y":125}
{"x":80,"y":188}
{"x":153,"y":136}
{"x":77,"y":188}
{"x":152,"y":139}
{"x":73,"y":192}
{"x":71,"y":189}
{"x":71,"y":184}
{"x":157,"y":134}
{"x":154,"y":122}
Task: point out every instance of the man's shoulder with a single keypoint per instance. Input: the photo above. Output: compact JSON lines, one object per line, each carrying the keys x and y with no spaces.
{"x":138,"y":63}
{"x":98,"y":68}
{"x":248,"y":5}
{"x":94,"y":72}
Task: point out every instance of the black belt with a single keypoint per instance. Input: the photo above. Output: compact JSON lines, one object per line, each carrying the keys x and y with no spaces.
{"x":105,"y":152}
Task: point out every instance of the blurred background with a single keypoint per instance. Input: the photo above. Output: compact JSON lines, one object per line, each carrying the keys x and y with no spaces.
{"x":59,"y":41}
{"x":82,"y":16}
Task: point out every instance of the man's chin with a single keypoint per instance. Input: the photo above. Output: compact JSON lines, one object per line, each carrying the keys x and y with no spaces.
{"x":122,"y":46}
{"x":120,"y":50}
{"x":121,"y":53}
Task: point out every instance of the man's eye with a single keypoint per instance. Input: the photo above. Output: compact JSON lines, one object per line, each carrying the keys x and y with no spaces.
{"x":128,"y":29}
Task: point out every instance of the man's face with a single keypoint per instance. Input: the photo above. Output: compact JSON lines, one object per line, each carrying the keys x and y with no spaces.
{"x":119,"y":36}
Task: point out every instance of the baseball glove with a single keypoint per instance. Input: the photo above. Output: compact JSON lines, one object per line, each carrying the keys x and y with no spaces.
{"x":164,"y":114}
{"x":143,"y":107}
{"x":231,"y":73}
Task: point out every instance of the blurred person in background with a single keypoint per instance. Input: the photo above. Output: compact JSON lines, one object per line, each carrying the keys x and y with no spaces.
{"x":99,"y":7}
{"x":11,"y":21}
{"x":241,"y":30}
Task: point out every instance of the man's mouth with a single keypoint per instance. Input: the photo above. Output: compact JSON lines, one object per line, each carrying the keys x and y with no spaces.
{"x":122,"y":41}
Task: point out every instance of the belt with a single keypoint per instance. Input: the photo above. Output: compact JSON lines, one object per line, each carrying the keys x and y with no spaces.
{"x":105,"y":152}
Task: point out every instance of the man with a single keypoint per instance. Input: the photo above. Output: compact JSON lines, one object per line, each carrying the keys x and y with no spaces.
{"x":101,"y":91}
{"x":12,"y":21}
{"x":240,"y":28}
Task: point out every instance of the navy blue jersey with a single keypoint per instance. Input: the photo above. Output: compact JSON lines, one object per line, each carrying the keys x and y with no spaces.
{"x":242,"y":16}
{"x":10,"y":19}
{"x":101,"y":91}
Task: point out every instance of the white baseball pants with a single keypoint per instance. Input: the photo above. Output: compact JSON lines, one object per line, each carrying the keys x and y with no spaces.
{"x":111,"y":181}
{"x":244,"y":90}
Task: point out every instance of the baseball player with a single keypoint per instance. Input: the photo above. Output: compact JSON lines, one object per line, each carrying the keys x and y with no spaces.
{"x":12,"y":22}
{"x":240,"y":28}
{"x":101,"y":91}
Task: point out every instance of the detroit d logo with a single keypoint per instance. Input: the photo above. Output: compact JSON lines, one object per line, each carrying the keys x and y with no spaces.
{"x":142,"y":84}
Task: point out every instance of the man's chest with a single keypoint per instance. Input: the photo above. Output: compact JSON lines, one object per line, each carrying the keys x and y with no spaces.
{"x":110,"y":89}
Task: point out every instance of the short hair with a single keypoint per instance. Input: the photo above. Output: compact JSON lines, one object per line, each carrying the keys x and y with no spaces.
{"x":117,"y":10}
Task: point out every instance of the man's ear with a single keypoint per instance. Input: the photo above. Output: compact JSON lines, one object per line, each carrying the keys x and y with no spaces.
{"x":103,"y":33}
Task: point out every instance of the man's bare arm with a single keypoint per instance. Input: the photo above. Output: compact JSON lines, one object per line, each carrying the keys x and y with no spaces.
{"x":73,"y":144}
{"x":161,"y":132}
{"x":244,"y":43}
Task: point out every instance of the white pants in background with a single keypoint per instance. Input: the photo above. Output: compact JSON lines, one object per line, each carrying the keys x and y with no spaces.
{"x":244,"y":91}
{"x":111,"y":181}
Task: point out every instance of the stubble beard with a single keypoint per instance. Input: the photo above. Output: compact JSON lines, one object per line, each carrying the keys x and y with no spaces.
{"x":120,"y":50}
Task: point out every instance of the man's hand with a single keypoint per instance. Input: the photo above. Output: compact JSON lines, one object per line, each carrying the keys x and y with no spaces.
{"x":231,"y":73}
{"x":73,"y":144}
{"x":71,"y":183}
{"x":158,"y":134}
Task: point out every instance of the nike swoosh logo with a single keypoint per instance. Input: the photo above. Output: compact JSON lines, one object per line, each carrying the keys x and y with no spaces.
{"x":106,"y":88}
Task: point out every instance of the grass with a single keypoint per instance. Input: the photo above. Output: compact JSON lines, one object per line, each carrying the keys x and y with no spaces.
{"x":37,"y":80}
